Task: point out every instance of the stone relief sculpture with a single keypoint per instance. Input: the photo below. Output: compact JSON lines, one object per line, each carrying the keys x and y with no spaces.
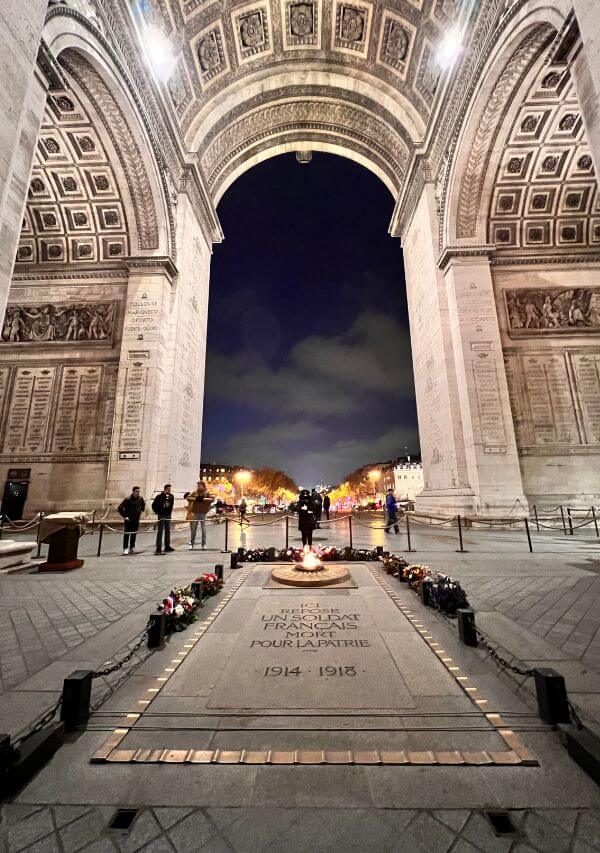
{"x":58,"y":323}
{"x":552,"y":310}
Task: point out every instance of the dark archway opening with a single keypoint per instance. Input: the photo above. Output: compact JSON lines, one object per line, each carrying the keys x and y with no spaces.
{"x":308,"y":354}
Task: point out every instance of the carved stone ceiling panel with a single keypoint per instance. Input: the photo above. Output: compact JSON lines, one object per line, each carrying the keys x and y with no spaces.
{"x":218,"y":44}
{"x":74,"y":211}
{"x":546,"y":194}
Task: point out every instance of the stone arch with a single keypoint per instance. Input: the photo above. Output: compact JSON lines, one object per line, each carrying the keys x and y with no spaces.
{"x":520,"y":50}
{"x":74,"y":44}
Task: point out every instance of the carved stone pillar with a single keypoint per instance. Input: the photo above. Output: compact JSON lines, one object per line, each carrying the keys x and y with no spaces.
{"x":488,"y":432}
{"x":447,"y":488}
{"x":22,"y":100}
{"x":142,"y":382}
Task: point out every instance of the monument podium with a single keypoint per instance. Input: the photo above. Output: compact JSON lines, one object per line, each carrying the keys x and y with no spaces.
{"x":61,"y":532}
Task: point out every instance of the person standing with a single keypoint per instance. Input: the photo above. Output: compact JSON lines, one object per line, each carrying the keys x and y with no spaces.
{"x":243,"y":508}
{"x":131,"y":509}
{"x":391,"y":508}
{"x":326,"y":505}
{"x":306,"y":517}
{"x":198,"y":504}
{"x":317,"y":501}
{"x":162,"y":505}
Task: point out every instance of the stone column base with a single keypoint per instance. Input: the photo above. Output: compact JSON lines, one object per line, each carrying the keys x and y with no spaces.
{"x":452,"y":502}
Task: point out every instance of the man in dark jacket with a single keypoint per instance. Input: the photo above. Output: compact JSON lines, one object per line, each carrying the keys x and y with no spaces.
{"x":162,"y":505}
{"x":326,"y":505}
{"x":306,"y":517}
{"x":317,"y":501}
{"x":131,"y":509}
{"x":391,"y":508}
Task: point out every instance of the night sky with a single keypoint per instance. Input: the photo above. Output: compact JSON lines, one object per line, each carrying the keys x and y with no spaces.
{"x":308,"y":360}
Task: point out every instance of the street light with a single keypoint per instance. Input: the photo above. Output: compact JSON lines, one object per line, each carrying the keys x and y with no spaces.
{"x":374,"y":475}
{"x":243,"y":477}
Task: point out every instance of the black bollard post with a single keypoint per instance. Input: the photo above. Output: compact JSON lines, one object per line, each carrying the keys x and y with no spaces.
{"x":379,"y":550}
{"x":466,"y":626}
{"x":1,"y":525}
{"x":408,"y":547}
{"x":197,"y":591}
{"x":93,"y":522}
{"x":427,"y":592}
{"x":226,"y":548}
{"x":460,"y":539}
{"x":526,"y":520}
{"x":350,"y":530}
{"x":562,"y":515}
{"x":234,"y":561}
{"x":553,"y":705}
{"x":595,"y":521}
{"x":76,"y":695}
{"x":537,"y":522}
{"x":39,"y":541}
{"x":100,"y":535}
{"x":287,"y":532}
{"x":157,"y":630}
{"x":219,"y":571}
{"x":570,"y":520}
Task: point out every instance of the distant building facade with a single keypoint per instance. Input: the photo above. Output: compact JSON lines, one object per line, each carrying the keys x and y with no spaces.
{"x":405,"y":476}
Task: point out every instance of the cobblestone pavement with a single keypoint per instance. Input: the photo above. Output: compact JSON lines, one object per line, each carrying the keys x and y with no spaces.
{"x":70,"y":828}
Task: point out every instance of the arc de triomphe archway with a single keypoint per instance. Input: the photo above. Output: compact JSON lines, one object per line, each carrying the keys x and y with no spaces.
{"x":111,"y":170}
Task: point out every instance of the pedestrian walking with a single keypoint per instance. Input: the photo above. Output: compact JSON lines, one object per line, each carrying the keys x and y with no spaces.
{"x":391,"y":508}
{"x":326,"y":506}
{"x":318,"y":506}
{"x":243,"y":509}
{"x":162,"y":505}
{"x":198,"y":504}
{"x":131,"y":509}
{"x":306,"y":517}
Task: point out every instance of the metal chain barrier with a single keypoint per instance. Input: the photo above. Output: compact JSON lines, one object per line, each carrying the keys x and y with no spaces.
{"x":498,"y":659}
{"x":120,"y":664}
{"x":41,"y":723}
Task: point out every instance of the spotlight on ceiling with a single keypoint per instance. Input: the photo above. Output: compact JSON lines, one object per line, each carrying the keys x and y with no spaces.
{"x":449,"y":48}
{"x":159,"y":51}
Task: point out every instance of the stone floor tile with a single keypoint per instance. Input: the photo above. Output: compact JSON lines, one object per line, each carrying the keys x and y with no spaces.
{"x":49,"y":844}
{"x":453,"y":818}
{"x":259,"y":827}
{"x":67,"y":814}
{"x":424,"y":833}
{"x":83,"y":831}
{"x":102,"y":845}
{"x":463,"y":846}
{"x":479,"y":832}
{"x":564,"y":819}
{"x":588,"y":829}
{"x":192,"y":833}
{"x":14,"y":812}
{"x":159,"y":845}
{"x":168,"y":817}
{"x":145,"y":828}
{"x":546,"y":835}
{"x":29,"y":829}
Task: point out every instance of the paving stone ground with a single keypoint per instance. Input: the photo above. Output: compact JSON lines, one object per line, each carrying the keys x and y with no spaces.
{"x":185,"y":830}
{"x":540,"y":607}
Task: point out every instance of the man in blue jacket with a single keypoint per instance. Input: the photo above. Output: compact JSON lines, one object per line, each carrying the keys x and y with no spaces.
{"x":391,"y":508}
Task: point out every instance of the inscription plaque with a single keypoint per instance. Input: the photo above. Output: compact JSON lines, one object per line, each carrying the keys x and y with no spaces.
{"x":77,"y":410}
{"x":305,"y":652}
{"x":587,"y":373}
{"x":29,"y":413}
{"x":132,"y":419}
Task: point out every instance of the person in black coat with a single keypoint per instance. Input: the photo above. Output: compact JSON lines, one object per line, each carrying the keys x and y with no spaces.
{"x":318,"y":505}
{"x":131,"y":509}
{"x":326,"y":505}
{"x":306,"y":517}
{"x":162,"y":505}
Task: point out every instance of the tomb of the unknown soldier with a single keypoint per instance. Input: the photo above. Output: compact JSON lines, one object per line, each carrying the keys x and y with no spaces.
{"x":246,"y":248}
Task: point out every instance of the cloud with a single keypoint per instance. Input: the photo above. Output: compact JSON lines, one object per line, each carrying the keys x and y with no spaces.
{"x":305,"y":449}
{"x":320,"y":375}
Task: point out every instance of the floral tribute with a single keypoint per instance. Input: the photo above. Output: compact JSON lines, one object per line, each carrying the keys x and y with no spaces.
{"x":209,"y":583}
{"x":180,"y":608}
{"x":444,"y":593}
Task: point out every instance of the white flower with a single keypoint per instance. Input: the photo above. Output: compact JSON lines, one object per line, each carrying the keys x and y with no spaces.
{"x":178,"y":610}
